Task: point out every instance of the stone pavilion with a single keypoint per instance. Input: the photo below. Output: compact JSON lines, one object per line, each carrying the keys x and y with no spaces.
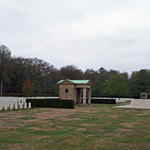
{"x":77,"y":90}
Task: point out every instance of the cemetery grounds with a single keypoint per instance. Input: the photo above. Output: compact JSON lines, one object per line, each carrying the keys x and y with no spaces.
{"x":95,"y":127}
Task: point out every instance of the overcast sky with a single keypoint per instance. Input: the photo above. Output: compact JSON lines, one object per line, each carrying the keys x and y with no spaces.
{"x":114,"y":34}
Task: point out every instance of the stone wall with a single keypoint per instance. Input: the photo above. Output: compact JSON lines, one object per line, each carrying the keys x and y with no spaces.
{"x":64,"y":94}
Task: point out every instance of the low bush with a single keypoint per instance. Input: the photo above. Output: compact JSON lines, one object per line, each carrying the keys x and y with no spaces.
{"x":103,"y":101}
{"x":51,"y":103}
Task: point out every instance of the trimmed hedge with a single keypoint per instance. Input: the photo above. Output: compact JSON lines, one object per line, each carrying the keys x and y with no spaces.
{"x":103,"y":101}
{"x":51,"y":103}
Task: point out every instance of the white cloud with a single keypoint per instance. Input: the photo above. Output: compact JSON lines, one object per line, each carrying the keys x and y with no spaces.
{"x":90,"y":34}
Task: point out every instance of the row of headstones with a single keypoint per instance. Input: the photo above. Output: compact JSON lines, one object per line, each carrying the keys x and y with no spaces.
{"x":12,"y":100}
{"x":15,"y":106}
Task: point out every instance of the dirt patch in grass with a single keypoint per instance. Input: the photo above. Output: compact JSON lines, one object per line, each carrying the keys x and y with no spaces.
{"x":31,"y":121}
{"x":22,"y":146}
{"x":113,"y":116}
{"x":41,"y":137}
{"x":124,"y":130}
{"x":15,"y":146}
{"x":81,"y":129}
{"x":73,"y":140}
{"x":136,"y":146}
{"x":145,"y":113}
{"x":62,"y":127}
{"x":69,"y":118}
{"x":41,"y":129}
{"x":10,"y":120}
{"x":61,"y":114}
{"x":99,"y":143}
{"x":7,"y":128}
{"x":10,"y":115}
{"x":54,"y":113}
{"x":90,"y":125}
{"x":129,"y":125}
{"x":65,"y":119}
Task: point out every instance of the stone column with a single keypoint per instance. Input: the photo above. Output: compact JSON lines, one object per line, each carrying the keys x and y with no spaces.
{"x":89,"y":96}
{"x":84,"y":95}
{"x":80,"y":96}
{"x":75,"y":95}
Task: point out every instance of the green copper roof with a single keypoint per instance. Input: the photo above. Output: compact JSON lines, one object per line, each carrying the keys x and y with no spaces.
{"x":75,"y":81}
{"x":79,"y":81}
{"x":60,"y":81}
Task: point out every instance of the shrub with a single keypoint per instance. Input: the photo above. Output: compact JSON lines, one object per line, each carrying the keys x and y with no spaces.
{"x":51,"y":103}
{"x":103,"y":101}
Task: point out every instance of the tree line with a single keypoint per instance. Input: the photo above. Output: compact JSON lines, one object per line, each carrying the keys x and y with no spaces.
{"x":34,"y":77}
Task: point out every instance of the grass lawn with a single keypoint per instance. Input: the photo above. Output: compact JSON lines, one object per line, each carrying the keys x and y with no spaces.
{"x":95,"y":127}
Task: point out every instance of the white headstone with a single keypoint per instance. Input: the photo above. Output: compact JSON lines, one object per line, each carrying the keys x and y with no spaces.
{"x":11,"y":106}
{"x":20,"y":105}
{"x":29,"y":105}
{"x":6,"y":107}
{"x":25,"y":105}
{"x":16,"y":106}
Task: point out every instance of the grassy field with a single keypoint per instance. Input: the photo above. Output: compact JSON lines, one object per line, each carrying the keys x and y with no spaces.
{"x":95,"y":127}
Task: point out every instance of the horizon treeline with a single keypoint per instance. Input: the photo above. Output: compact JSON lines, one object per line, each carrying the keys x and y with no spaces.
{"x":35,"y":77}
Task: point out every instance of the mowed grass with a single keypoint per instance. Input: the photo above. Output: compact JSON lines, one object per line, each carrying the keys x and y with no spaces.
{"x":95,"y":127}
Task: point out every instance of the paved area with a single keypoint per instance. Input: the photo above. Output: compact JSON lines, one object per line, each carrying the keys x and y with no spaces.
{"x":137,"y":104}
{"x":134,"y":106}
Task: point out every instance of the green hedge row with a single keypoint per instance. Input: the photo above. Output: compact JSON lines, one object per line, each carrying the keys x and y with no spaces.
{"x":103,"y":101}
{"x":51,"y":103}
